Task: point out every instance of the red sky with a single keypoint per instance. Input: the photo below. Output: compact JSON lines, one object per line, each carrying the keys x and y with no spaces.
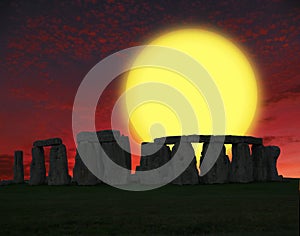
{"x":47,"y":47}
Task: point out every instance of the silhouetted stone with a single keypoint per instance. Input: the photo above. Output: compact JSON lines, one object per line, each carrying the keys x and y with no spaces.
{"x":95,"y":146}
{"x":259,"y":163}
{"x":37,"y":167}
{"x":160,"y":155}
{"x":91,"y":153}
{"x":154,"y":156}
{"x":233,"y":139}
{"x":190,"y":175}
{"x":81,"y":174}
{"x":58,"y":167}
{"x":18,"y":167}
{"x":242,"y":164}
{"x":47,"y":142}
{"x":219,"y":173}
{"x":102,"y":158}
{"x":272,"y":153}
{"x":114,"y":152}
{"x":227,"y":139}
{"x":99,"y":136}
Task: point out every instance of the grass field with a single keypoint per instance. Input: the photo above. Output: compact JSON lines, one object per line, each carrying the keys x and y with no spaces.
{"x":230,"y":209}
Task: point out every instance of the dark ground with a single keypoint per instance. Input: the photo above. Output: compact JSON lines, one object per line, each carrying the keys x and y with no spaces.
{"x":230,"y":209}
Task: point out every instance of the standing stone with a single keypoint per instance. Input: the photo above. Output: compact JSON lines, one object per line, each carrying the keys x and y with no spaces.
{"x":37,"y":167}
{"x":115,"y":153}
{"x":124,"y":141}
{"x":154,"y":156}
{"x":219,"y":173}
{"x":58,"y":168}
{"x":81,"y":174}
{"x":242,"y":164}
{"x":18,"y":167}
{"x":259,"y":163}
{"x":190,"y":174}
{"x":161,"y":154}
{"x":272,"y":153}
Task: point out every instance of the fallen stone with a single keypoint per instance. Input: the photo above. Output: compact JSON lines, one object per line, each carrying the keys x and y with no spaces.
{"x":241,"y":170}
{"x":219,"y":173}
{"x":6,"y":182}
{"x":58,"y":167}
{"x":190,"y":175}
{"x":18,"y":167}
{"x":37,"y":167}
{"x":47,"y":142}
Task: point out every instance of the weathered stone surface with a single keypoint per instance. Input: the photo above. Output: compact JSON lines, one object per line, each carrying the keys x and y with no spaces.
{"x":160,"y":155}
{"x":272,"y":153}
{"x":120,"y":157}
{"x":219,"y":173}
{"x":227,"y":139}
{"x":47,"y":142}
{"x":259,"y":163}
{"x":37,"y":167}
{"x":242,"y":164}
{"x":190,"y":175}
{"x":115,"y":153}
{"x":91,"y":155}
{"x":18,"y":167}
{"x":58,"y":167}
{"x":81,"y":174}
{"x":102,"y":159}
{"x":154,"y":156}
{"x":100,"y":136}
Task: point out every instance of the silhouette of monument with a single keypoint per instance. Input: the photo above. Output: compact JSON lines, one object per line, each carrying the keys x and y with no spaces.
{"x":245,"y":167}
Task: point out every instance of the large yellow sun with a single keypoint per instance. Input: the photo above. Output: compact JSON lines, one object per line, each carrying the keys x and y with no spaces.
{"x":227,"y":65}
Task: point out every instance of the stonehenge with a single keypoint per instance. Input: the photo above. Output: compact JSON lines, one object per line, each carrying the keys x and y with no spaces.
{"x":190,"y":174}
{"x":219,"y":173}
{"x":58,"y":167}
{"x":153,"y":156}
{"x":47,"y":142}
{"x":81,"y":174}
{"x":58,"y":164}
{"x":241,"y":164}
{"x":272,"y":153}
{"x":37,"y":166}
{"x":100,"y":154}
{"x":95,"y":147}
{"x":247,"y":165}
{"x":18,"y":167}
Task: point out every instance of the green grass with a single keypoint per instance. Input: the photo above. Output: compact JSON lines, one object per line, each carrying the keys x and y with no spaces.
{"x":231,"y":209}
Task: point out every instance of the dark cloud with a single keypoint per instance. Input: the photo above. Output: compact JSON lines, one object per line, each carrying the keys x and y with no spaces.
{"x":6,"y":166}
{"x":280,"y":140}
